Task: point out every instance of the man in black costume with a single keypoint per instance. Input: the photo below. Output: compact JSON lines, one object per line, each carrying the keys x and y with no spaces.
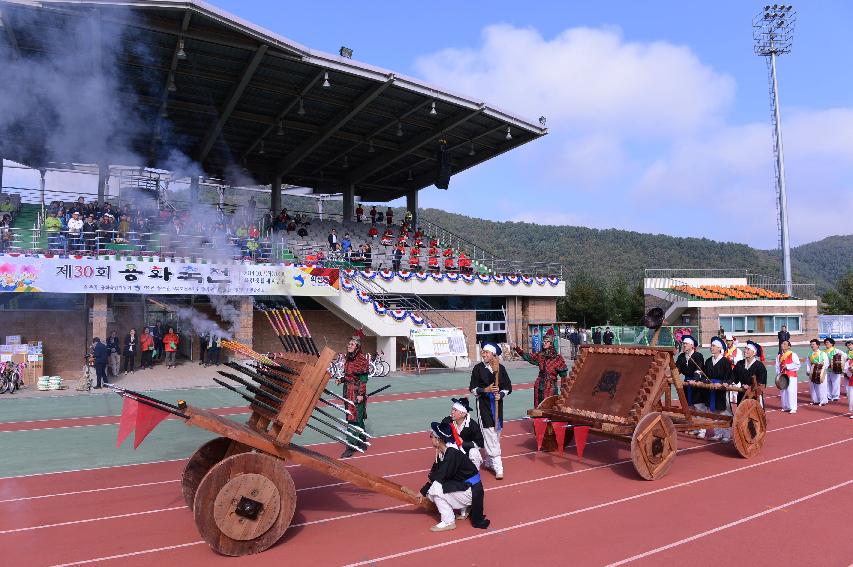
{"x":490,"y":384}
{"x":466,"y":431}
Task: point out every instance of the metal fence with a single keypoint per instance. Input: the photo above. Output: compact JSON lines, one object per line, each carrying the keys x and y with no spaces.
{"x":638,"y":335}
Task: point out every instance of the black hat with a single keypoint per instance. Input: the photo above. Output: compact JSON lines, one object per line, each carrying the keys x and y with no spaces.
{"x":463,"y":402}
{"x":830,"y":339}
{"x":442,"y":431}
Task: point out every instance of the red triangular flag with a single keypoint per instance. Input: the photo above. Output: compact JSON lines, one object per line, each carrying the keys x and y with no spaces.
{"x":560,"y":435}
{"x":540,"y":425}
{"x":580,"y":438}
{"x":147,"y":418}
{"x":128,"y":420}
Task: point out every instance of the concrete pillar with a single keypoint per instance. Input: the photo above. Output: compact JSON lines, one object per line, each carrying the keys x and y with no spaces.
{"x":388,"y":345}
{"x":412,"y":205}
{"x":103,"y":181}
{"x":193,"y":190}
{"x":275,"y":196}
{"x":243,"y":329}
{"x":99,"y":316}
{"x":349,"y":202}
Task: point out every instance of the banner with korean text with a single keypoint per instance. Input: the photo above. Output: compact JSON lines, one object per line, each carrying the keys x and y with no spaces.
{"x":31,"y":274}
{"x":438,"y":342}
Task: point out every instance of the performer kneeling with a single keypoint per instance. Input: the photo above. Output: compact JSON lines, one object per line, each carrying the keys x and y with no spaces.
{"x":490,"y":383}
{"x":466,"y":431}
{"x":454,"y":483}
{"x":552,"y":367}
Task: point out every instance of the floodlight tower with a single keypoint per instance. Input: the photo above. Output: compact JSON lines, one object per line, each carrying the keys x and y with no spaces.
{"x":773,"y":33}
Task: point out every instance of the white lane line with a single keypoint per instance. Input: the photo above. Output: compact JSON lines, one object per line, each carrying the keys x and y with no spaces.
{"x":131,"y":554}
{"x":90,"y":491}
{"x":594,"y":507}
{"x":89,"y":520}
{"x":729,"y":525}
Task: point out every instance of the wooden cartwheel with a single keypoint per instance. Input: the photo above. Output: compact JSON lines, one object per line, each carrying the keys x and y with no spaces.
{"x":654,"y":446}
{"x":203,"y":460}
{"x":549,"y":442}
{"x":244,"y":504}
{"x":749,"y":428}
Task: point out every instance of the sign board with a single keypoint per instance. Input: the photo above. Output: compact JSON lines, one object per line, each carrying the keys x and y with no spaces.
{"x":439,"y":343}
{"x":839,"y":327}
{"x":26,"y":274}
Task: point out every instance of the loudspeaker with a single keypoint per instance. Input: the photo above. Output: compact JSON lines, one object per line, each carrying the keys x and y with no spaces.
{"x":442,"y":174}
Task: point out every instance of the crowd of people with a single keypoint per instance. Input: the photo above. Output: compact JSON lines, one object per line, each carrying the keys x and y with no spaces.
{"x":8,"y":210}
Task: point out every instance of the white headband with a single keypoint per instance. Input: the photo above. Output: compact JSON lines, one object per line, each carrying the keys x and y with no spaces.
{"x":719,"y":342}
{"x":752,"y":347}
{"x":688,"y":340}
{"x":491,"y":349}
{"x":460,"y":407}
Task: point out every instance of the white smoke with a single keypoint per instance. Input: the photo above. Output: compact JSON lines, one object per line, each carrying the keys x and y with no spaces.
{"x":202,"y":324}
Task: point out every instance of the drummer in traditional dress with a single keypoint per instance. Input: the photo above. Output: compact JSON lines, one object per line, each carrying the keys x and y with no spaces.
{"x":718,"y":370}
{"x":817,"y":365}
{"x":835,"y":375}
{"x":552,"y":367}
{"x":788,"y":364}
{"x":690,"y":364}
{"x":356,"y":372}
{"x":490,"y":384}
{"x":751,"y":371}
{"x":466,"y":431}
{"x":732,"y":352}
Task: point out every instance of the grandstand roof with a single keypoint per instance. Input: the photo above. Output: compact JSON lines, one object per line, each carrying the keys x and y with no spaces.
{"x":239,"y":80}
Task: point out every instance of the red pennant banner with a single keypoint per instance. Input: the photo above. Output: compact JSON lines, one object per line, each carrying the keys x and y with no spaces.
{"x":581,"y":432}
{"x":147,"y":418}
{"x":560,"y":434}
{"x":128,"y":420}
{"x":540,"y":425}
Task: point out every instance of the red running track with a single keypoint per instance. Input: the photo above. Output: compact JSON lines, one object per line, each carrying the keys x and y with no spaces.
{"x":712,"y":505}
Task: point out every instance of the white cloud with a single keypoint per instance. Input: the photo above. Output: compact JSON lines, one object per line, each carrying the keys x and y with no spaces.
{"x":644,"y":129}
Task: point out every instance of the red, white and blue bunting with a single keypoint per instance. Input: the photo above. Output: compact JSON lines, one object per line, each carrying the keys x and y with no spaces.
{"x":404,"y":275}
{"x":499,"y":279}
{"x":386,"y":275}
{"x":514,"y":280}
{"x":417,"y":319}
{"x":452,"y":276}
{"x":422,"y":276}
{"x":485,"y":278}
{"x":527,"y":280}
{"x":407,"y":275}
{"x":437,"y":276}
{"x":363,"y":296}
{"x":540,"y":281}
{"x":398,"y":314}
{"x":346,"y":284}
{"x":379,"y":308}
{"x":467,"y":278}
{"x":349,"y":273}
{"x":367,"y":274}
{"x":553,"y":281}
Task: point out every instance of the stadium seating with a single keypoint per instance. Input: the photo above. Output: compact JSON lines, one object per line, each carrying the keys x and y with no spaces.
{"x":716,"y":292}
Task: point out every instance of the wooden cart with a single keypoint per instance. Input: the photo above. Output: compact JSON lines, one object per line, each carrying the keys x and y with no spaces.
{"x":242,"y":496}
{"x":636,"y":394}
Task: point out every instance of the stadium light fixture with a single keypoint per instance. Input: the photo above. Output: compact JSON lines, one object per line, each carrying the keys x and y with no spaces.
{"x":326,"y":83}
{"x":172,"y":87}
{"x":261,"y":150}
{"x":399,"y":129}
{"x":508,"y":134}
{"x":280,"y":128}
{"x":471,"y":151}
{"x":346,"y":52}
{"x":301,"y":110}
{"x":181,"y":53}
{"x":542,"y":121}
{"x":370,"y":148}
{"x":773,"y":34}
{"x":432,"y":111}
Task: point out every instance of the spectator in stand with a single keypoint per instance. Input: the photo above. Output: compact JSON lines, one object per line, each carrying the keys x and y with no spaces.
{"x":448,"y":252}
{"x":114,"y":353}
{"x":783,"y":335}
{"x":448,"y":262}
{"x":418,"y":233}
{"x":90,"y":232}
{"x":53,"y":226}
{"x":465,"y":263}
{"x":373,"y":232}
{"x":5,"y":233}
{"x":398,"y":256}
{"x":433,"y":251}
{"x":415,"y":260}
{"x":433,"y":264}
{"x":346,"y":245}
{"x":389,"y":216}
{"x":407,"y":218}
{"x":302,"y":231}
{"x":373,"y":214}
{"x":6,"y":206}
{"x":146,"y":347}
{"x":291,"y":226}
{"x":333,"y":239}
{"x":170,"y":345}
{"x":608,"y":336}
{"x":254,"y":233}
{"x":368,"y":256}
{"x":304,"y":221}
{"x":131,"y":345}
{"x":359,"y":212}
{"x":106,"y":227}
{"x":123,"y":229}
{"x":251,"y":205}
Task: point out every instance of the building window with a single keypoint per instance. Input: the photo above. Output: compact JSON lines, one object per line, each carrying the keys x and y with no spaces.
{"x":759,"y":324}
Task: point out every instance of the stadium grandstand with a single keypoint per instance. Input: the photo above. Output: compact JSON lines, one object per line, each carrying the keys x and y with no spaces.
{"x":254,"y":119}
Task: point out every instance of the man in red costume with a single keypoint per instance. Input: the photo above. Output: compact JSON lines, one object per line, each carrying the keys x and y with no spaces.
{"x":552,"y":367}
{"x":356,"y":370}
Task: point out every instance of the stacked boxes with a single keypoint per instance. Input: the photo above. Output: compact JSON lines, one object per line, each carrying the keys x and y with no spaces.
{"x":16,"y":352}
